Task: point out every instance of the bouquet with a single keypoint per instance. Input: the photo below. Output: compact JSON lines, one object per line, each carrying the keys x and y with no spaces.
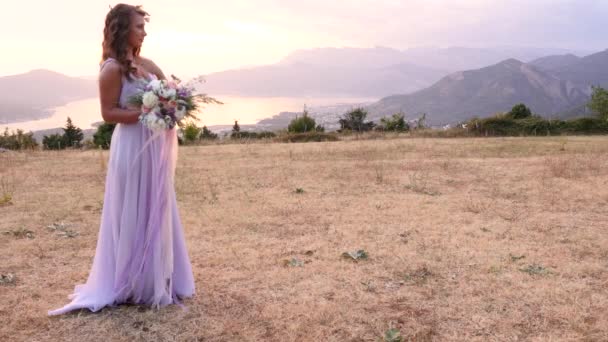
{"x":166,"y":104}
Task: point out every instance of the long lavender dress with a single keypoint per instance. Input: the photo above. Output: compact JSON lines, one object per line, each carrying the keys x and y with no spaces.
{"x":141,"y":255}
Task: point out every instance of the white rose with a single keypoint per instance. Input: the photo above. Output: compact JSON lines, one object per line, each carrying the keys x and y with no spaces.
{"x":160,"y":123}
{"x":180,"y":113}
{"x":167,"y":93}
{"x":155,"y":85}
{"x":150,"y":100}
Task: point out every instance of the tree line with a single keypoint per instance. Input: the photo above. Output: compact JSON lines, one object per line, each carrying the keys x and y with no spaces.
{"x":518,"y":121}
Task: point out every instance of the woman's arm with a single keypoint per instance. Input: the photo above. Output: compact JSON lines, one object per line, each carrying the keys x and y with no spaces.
{"x":110,"y":83}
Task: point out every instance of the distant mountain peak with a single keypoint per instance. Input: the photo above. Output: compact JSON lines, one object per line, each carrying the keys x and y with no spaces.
{"x":43,"y":72}
{"x":482,"y":92}
{"x":511,"y":62}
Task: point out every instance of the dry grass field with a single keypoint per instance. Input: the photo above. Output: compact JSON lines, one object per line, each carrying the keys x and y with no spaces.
{"x":480,"y":239}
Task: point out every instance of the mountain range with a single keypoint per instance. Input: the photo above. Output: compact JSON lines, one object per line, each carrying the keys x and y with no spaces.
{"x":553,"y":86}
{"x":413,"y":81}
{"x":31,"y":95}
{"x":360,"y":72}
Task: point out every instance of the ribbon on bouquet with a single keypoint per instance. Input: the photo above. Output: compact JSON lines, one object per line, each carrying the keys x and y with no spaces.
{"x":161,"y":149}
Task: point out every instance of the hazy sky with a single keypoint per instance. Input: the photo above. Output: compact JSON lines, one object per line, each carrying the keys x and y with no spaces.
{"x":190,"y":37}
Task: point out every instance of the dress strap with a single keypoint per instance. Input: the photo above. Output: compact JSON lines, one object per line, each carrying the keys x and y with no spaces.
{"x":106,"y":62}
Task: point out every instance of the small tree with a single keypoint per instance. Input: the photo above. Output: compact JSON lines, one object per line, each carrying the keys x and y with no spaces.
{"x":72,"y":135}
{"x":103,"y":136}
{"x":396,"y":123}
{"x":26,"y":140}
{"x":191,"y":132}
{"x":236,"y":131}
{"x":519,"y":111}
{"x":421,"y":122}
{"x":599,"y":102}
{"x":302,"y":124}
{"x":53,"y":142}
{"x":17,"y":140}
{"x":207,"y":134}
{"x":355,"y":121}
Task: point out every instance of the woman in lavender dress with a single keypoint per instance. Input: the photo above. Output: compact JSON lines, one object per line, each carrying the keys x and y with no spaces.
{"x":141,"y":255}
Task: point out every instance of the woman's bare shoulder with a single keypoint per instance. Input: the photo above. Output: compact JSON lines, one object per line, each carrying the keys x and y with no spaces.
{"x":152,"y":67}
{"x":110,"y":70}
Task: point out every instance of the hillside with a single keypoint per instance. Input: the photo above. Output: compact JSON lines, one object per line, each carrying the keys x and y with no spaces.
{"x":29,"y":96}
{"x":486,"y":91}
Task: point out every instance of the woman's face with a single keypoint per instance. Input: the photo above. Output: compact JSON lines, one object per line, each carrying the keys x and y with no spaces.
{"x":137,"y":31}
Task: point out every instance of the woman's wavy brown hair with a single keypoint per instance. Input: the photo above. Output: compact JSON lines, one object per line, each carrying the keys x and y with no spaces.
{"x":116,"y":35}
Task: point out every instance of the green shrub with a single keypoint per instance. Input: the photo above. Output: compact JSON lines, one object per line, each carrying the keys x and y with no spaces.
{"x":252,"y":135}
{"x":519,"y":111}
{"x":302,"y":124}
{"x":355,"y":121}
{"x":53,"y":142}
{"x":396,"y":123}
{"x":495,"y":126}
{"x":17,"y":140}
{"x":72,"y":135}
{"x":599,"y":102}
{"x":587,"y":125}
{"x":103,"y":136}
{"x":505,"y":125}
{"x":206,"y":134}
{"x":191,"y":132}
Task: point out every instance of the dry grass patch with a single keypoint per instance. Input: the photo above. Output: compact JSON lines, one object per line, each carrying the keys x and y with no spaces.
{"x":446,"y":239}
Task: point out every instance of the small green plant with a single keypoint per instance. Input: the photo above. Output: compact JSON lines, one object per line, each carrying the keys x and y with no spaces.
{"x":495,"y":269}
{"x":356,"y":255}
{"x":393,"y":335}
{"x":293,"y":262}
{"x":7,"y":279}
{"x":20,"y":233}
{"x":535,"y":269}
{"x":515,"y":258}
{"x":6,"y":199}
{"x":63,"y":230}
{"x":7,"y":188}
{"x":299,"y":191}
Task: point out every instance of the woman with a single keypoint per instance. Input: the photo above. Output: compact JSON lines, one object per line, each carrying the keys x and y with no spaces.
{"x":141,"y":255}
